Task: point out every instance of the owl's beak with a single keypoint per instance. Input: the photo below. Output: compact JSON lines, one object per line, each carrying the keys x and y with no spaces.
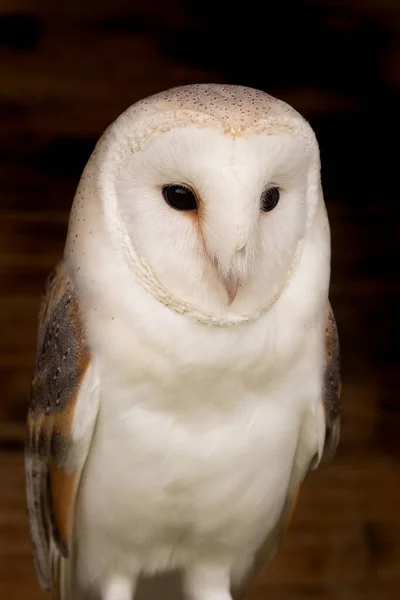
{"x":231,"y":282}
{"x":232,"y":285}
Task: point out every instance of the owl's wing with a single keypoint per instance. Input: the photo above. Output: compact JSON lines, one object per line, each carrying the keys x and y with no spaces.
{"x":332,"y":386}
{"x":330,"y":399}
{"x":61,"y":419}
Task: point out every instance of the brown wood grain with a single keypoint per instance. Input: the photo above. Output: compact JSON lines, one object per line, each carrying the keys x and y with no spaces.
{"x":66,"y":71}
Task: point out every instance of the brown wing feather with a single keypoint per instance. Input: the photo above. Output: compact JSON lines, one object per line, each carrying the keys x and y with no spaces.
{"x":332,"y":386}
{"x":61,"y":364}
{"x":331,"y":401}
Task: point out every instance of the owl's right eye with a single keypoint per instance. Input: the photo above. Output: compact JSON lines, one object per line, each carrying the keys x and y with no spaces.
{"x":179,"y":197}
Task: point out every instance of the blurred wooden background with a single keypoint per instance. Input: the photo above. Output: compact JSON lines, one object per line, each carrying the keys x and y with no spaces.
{"x":67,"y":69}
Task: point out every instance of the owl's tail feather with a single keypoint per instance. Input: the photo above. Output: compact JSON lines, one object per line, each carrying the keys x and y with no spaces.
{"x":62,"y":585}
{"x":56,"y":566}
{"x":161,"y":587}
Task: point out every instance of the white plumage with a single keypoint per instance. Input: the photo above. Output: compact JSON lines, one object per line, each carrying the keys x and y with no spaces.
{"x":202,"y":405}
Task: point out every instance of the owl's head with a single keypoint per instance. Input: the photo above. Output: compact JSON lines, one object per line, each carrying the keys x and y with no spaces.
{"x":207,"y":192}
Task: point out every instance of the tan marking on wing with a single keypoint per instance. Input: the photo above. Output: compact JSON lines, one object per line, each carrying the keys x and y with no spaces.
{"x":332,"y":387}
{"x":63,"y":488}
{"x":62,"y":361}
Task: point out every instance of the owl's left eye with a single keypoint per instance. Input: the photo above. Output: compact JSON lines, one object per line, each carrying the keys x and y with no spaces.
{"x":179,"y":197}
{"x":269,"y":199}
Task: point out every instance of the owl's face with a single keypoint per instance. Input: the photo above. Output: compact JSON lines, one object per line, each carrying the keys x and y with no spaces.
{"x":218,"y":217}
{"x":207,"y":192}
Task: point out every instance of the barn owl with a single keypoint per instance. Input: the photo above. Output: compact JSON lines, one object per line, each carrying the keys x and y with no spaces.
{"x":187,"y":375}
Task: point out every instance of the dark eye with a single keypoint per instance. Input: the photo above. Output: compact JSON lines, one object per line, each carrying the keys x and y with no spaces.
{"x":269,"y":199}
{"x":179,"y":197}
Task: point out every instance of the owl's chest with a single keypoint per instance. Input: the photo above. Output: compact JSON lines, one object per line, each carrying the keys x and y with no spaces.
{"x":197,"y":448}
{"x":196,"y":437}
{"x":194,"y":477}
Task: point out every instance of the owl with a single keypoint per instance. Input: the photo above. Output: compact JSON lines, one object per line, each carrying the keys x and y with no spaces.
{"x":187,"y":375}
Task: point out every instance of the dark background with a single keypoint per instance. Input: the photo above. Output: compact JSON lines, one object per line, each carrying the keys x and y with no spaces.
{"x":67,"y":69}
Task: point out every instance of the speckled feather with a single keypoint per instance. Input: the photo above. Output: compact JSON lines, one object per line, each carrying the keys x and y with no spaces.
{"x":332,"y":386}
{"x":236,"y":106}
{"x":61,"y":362}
